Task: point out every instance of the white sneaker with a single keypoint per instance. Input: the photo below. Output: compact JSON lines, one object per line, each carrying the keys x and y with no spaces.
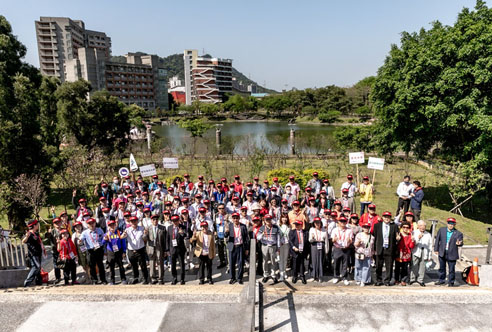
{"x":362,"y":284}
{"x":335,"y":280}
{"x":357,"y":283}
{"x":346,"y":282}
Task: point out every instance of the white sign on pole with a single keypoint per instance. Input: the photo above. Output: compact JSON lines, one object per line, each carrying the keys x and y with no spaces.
{"x":170,"y":162}
{"x":148,"y":170}
{"x":356,"y":158}
{"x":133,"y":163}
{"x":123,"y":172}
{"x":375,"y":163}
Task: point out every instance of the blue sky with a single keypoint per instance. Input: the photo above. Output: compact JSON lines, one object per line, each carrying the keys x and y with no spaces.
{"x":283,"y":43}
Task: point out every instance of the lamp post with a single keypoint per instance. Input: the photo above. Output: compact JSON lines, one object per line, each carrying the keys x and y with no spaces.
{"x":218,"y":136}
{"x":292,"y":138}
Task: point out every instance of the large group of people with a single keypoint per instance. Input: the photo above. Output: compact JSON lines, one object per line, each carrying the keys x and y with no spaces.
{"x":310,"y":232}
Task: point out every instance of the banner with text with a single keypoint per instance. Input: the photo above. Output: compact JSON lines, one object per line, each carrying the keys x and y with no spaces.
{"x":170,"y":162}
{"x":375,"y":163}
{"x":356,"y":158}
{"x":148,"y":170}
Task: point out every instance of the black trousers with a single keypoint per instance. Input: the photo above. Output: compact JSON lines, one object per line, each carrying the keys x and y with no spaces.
{"x":221,"y":246}
{"x":402,"y":203}
{"x":341,"y":259}
{"x":96,"y":257}
{"x":401,"y":271}
{"x":174,"y":260}
{"x":55,"y":259}
{"x":387,"y":259}
{"x":205,"y":262}
{"x":298,"y":268}
{"x":70,"y":270}
{"x":116,"y":258}
{"x":137,"y":257}
{"x":237,"y":257}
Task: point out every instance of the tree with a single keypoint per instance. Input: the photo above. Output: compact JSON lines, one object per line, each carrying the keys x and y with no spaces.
{"x":432,"y":94}
{"x":196,"y":127}
{"x":30,"y":192}
{"x":329,"y":116}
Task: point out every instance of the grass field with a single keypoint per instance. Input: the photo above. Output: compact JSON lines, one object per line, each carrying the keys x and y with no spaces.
{"x":436,"y":202}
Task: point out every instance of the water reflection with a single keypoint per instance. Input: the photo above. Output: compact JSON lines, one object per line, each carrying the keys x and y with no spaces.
{"x":243,"y":137}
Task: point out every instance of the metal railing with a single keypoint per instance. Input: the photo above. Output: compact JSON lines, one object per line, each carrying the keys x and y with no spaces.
{"x":12,"y":250}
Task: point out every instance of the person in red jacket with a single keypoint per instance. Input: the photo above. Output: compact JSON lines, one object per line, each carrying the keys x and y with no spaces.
{"x":405,"y":247}
{"x":370,"y":217}
{"x":68,"y":255}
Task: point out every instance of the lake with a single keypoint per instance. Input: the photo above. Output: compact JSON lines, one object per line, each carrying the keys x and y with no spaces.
{"x":243,"y":137}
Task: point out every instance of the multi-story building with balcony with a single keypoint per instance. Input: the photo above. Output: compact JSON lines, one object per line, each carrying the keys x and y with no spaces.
{"x":207,"y":79}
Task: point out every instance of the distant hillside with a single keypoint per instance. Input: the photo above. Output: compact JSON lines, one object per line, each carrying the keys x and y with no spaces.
{"x":175,"y":67}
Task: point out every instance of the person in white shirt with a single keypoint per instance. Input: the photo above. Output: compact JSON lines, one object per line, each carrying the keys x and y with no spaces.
{"x":136,"y":238}
{"x":350,"y":185}
{"x":403,"y":191}
{"x":294,"y":187}
{"x":342,"y":237}
{"x":421,"y":253}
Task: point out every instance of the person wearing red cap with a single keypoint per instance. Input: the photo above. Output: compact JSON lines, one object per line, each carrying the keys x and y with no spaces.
{"x":446,"y":245}
{"x":294,"y":187}
{"x":188,"y":185}
{"x":157,"y":204}
{"x":136,"y":237}
{"x":53,"y":235}
{"x":386,"y":237}
{"x":315,"y":184}
{"x":222,"y":219}
{"x":103,"y":190}
{"x":176,"y":248}
{"x":202,"y":217}
{"x":297,"y":215}
{"x":284,"y":206}
{"x":186,"y":222}
{"x":35,"y":250}
{"x":93,"y":237}
{"x":311,"y":211}
{"x":234,"y":205}
{"x":219,"y":195}
{"x":265,"y":191}
{"x":353,"y":224}
{"x":81,"y":249}
{"x":237,"y":187}
{"x":199,"y":189}
{"x":364,"y":246}
{"x":153,"y":184}
{"x":244,"y":218}
{"x":330,"y":192}
{"x":274,"y":210}
{"x":350,"y":185}
{"x":299,"y":249}
{"x":323,"y":202}
{"x":370,"y":217}
{"x":115,"y":250}
{"x":319,"y":242}
{"x":101,"y":217}
{"x":288,"y":195}
{"x":68,"y":257}
{"x":81,"y":207}
{"x":238,"y":245}
{"x":421,"y":253}
{"x":284,"y":245}
{"x":366,"y":190}
{"x":156,"y":249}
{"x":347,"y":202}
{"x":205,"y":250}
{"x":276,"y":184}
{"x":269,"y":236}
{"x":342,"y":238}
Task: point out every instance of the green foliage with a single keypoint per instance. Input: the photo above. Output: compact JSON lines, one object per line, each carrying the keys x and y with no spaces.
{"x":301,"y":178}
{"x":196,"y":127}
{"x":433,"y":92}
{"x":354,"y":138}
{"x":308,"y":110}
{"x":136,"y":115}
{"x":329,"y":116}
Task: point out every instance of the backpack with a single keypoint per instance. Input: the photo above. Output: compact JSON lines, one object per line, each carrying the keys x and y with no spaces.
{"x":465,"y":273}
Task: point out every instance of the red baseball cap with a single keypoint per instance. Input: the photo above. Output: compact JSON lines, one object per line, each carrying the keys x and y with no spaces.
{"x":296,"y":203}
{"x":174,"y":218}
{"x":371,"y":206}
{"x":203,"y":224}
{"x":132,"y":219}
{"x":350,"y":177}
{"x":275,"y":179}
{"x":235,"y":214}
{"x":267,"y":216}
{"x":387,"y":214}
{"x":315,"y":174}
{"x":127,"y":214}
{"x":202,"y":209}
{"x":451,"y":220}
{"x":91,"y":220}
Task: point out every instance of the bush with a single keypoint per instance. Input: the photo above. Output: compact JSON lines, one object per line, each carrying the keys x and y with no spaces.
{"x":301,"y":178}
{"x":329,"y":116}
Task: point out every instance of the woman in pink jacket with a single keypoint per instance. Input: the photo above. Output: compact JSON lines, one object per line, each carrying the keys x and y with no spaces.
{"x":405,"y":247}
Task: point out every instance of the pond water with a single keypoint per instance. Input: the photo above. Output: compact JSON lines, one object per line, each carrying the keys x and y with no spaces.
{"x":243,"y":137}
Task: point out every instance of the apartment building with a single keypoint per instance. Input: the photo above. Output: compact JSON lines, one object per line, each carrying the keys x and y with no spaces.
{"x":60,"y":39}
{"x":207,"y":79}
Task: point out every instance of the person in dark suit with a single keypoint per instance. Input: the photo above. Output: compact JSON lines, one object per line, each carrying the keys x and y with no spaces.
{"x":299,"y":248}
{"x":156,"y":249}
{"x":176,"y":248}
{"x":386,"y":237}
{"x":238,"y":246}
{"x":448,"y":240}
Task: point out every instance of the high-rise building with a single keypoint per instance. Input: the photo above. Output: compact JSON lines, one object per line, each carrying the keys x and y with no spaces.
{"x":207,"y":79}
{"x":70,"y":52}
{"x":60,"y":39}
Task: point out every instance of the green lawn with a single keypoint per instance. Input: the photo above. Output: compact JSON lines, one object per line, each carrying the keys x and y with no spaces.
{"x":436,"y":202}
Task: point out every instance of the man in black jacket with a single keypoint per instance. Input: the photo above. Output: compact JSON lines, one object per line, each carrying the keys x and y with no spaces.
{"x":448,"y":240}
{"x":299,"y":248}
{"x":35,"y":250}
{"x":176,"y":247}
{"x":156,"y":249}
{"x":386,"y":237}
{"x":238,"y":245}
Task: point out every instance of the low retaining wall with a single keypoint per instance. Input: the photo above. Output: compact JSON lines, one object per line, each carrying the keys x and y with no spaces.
{"x":11,"y":276}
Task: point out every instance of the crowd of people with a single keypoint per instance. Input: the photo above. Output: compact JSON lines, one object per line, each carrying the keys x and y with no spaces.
{"x":310,"y":232}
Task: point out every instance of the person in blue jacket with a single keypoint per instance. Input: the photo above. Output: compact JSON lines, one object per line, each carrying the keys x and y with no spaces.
{"x":448,"y":240}
{"x":115,"y":249}
{"x":416,"y":198}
